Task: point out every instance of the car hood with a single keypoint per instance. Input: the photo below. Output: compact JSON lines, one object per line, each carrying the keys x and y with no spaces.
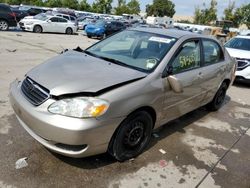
{"x":75,"y":72}
{"x":243,"y":54}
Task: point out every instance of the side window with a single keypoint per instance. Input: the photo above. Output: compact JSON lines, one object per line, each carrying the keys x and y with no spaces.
{"x":54,"y":19}
{"x":62,"y":20}
{"x":187,"y":58}
{"x":72,"y":18}
{"x":212,"y":52}
{"x":66,"y":17}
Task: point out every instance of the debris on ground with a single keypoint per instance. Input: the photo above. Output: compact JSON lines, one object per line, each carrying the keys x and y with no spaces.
{"x":21,"y":163}
{"x":163,"y":163}
{"x":19,"y":35}
{"x":11,"y":50}
{"x":162,"y":151}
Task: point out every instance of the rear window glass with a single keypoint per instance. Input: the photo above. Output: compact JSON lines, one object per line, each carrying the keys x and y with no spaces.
{"x":212,"y":52}
{"x":239,"y":43}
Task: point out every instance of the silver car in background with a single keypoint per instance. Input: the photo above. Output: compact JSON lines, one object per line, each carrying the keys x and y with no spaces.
{"x":111,"y":96}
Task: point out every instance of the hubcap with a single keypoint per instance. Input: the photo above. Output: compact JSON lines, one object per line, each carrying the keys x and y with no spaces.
{"x":134,"y":135}
{"x":3,"y":25}
{"x":38,"y":30}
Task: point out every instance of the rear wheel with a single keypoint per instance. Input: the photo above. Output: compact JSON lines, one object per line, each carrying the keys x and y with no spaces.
{"x":89,"y":36}
{"x":219,"y":98}
{"x":38,"y":29}
{"x":132,"y":136}
{"x":69,"y":31}
{"x":4,"y":26}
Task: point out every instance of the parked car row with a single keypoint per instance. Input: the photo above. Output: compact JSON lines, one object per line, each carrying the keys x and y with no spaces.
{"x":47,"y":23}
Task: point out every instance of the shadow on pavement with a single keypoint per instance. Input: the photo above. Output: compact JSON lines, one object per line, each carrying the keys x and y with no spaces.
{"x":164,"y":131}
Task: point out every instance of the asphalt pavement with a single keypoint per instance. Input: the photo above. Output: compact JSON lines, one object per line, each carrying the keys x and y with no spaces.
{"x":201,"y":149}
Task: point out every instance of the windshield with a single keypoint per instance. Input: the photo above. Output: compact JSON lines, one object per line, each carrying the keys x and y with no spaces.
{"x":41,"y":16}
{"x":100,"y":23}
{"x":135,"y":49}
{"x":239,"y":43}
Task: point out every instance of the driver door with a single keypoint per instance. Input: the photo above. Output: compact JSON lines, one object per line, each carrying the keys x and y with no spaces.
{"x":51,"y":24}
{"x":185,"y":66}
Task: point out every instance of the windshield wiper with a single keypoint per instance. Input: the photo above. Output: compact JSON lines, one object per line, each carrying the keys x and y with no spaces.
{"x":108,"y":59}
{"x":117,"y":62}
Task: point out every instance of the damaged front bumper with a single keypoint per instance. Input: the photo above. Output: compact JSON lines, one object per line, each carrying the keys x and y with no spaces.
{"x":68,"y":136}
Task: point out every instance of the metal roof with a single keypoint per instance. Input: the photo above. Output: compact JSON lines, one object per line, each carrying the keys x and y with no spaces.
{"x":167,"y":32}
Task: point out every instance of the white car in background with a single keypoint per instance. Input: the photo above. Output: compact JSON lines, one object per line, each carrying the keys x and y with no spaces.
{"x":45,"y":23}
{"x":239,"y":48}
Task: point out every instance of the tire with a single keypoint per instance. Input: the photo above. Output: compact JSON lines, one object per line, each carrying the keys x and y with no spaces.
{"x":89,"y":36}
{"x":69,"y":31}
{"x":4,"y":25}
{"x":219,"y":98}
{"x":104,"y":36}
{"x":37,"y":29}
{"x":132,"y":136}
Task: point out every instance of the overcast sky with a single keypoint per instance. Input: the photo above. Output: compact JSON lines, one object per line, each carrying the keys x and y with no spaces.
{"x":186,"y":7}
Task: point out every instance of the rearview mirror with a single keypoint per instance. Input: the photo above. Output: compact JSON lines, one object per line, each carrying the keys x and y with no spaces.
{"x":175,"y":84}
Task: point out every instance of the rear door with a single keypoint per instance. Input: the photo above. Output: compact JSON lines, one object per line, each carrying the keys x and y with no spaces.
{"x":186,"y":67}
{"x":62,"y":25}
{"x":214,"y":66}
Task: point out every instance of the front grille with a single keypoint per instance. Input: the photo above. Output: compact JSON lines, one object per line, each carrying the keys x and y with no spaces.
{"x":242,"y":63}
{"x":35,"y":93}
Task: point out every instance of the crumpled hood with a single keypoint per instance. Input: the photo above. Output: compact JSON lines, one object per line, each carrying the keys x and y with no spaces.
{"x":76,"y":72}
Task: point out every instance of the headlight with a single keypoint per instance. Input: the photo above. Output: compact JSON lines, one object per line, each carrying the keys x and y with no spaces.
{"x":80,"y":107}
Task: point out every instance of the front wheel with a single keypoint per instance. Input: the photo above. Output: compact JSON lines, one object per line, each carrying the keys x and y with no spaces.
{"x":37,"y":29}
{"x":132,"y":136}
{"x":219,"y":98}
{"x":4,"y":26}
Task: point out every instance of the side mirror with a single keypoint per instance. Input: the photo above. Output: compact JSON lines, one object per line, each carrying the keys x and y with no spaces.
{"x":175,"y":84}
{"x":49,"y":21}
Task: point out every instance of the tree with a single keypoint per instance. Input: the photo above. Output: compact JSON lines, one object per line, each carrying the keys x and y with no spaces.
{"x":229,"y":11}
{"x":161,"y":8}
{"x":122,"y":9}
{"x":207,"y":15}
{"x":242,"y":15}
{"x":134,"y":7}
{"x":72,"y":4}
{"x":84,"y":6}
{"x":54,"y":3}
{"x":102,"y":6}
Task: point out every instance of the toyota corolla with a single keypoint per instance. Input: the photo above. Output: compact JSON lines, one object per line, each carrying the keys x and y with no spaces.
{"x":111,"y":96}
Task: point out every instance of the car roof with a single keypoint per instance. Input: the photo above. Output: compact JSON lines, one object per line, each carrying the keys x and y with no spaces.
{"x":168,"y":32}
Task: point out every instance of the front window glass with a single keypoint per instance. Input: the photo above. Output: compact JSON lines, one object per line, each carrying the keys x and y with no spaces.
{"x":187,"y":58}
{"x":135,"y":49}
{"x":42,"y":17}
{"x":239,"y":43}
